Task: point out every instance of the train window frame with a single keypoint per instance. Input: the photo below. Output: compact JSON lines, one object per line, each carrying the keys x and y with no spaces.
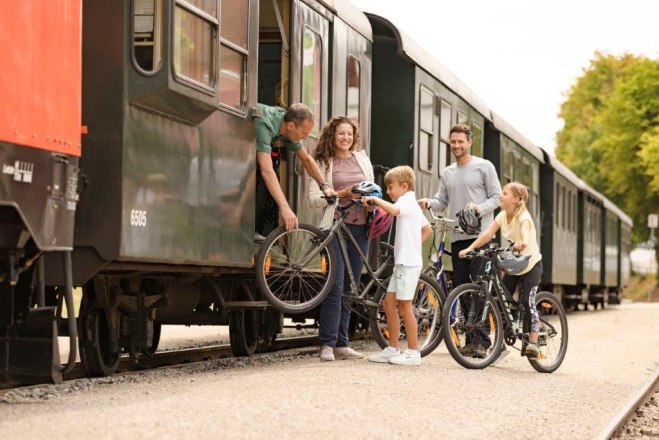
{"x":353,"y":80}
{"x":316,"y":108}
{"x":140,"y":8}
{"x":189,"y":8}
{"x":235,"y":48}
{"x":426,"y":152}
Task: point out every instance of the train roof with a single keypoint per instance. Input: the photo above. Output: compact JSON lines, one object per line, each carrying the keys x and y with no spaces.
{"x":507,"y":129}
{"x":608,"y":204}
{"x":349,"y":13}
{"x":421,"y":58}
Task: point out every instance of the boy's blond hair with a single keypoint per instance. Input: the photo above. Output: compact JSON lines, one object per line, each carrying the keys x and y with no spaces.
{"x":401,"y":174}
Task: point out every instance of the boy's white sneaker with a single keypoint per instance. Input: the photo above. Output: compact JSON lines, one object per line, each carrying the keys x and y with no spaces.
{"x":384,"y":355}
{"x":408,"y":357}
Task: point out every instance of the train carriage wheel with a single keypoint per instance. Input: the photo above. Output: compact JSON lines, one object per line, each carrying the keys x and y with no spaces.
{"x":244,"y":331}
{"x":150,"y":351}
{"x":96,"y":354}
{"x":244,"y":323}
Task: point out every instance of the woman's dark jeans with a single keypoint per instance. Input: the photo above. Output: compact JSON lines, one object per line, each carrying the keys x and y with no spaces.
{"x":334,"y":314}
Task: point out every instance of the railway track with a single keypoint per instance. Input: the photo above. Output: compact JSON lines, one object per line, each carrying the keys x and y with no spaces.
{"x":627,"y":412}
{"x":179,"y":357}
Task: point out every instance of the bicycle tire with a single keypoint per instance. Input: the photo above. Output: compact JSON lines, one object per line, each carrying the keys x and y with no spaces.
{"x":290,"y":284}
{"x":428,"y":303}
{"x":458,"y":327}
{"x":553,"y":346}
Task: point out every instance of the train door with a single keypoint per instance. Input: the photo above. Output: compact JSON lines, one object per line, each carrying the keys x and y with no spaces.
{"x":293,"y":66}
{"x":308,"y":84}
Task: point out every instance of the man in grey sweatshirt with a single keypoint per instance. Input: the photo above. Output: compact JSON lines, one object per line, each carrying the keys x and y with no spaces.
{"x":469,"y":181}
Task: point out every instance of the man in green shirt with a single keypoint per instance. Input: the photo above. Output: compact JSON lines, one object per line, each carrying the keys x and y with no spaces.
{"x":281,"y":128}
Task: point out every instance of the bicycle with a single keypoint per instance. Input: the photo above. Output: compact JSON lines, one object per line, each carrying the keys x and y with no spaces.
{"x":435,"y":267}
{"x":295,"y":271}
{"x":486,"y":306}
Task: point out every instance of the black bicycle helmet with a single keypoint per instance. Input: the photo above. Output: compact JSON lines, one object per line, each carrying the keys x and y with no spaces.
{"x":469,"y":220}
{"x":511,"y":264}
{"x":366,"y":188}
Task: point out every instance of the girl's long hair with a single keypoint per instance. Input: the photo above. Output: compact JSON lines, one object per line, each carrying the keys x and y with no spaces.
{"x":326,"y":147}
{"x":520,"y":191}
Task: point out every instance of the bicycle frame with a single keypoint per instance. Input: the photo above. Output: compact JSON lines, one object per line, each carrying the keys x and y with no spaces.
{"x":503,"y":299}
{"x":441,"y":224}
{"x":338,"y":230}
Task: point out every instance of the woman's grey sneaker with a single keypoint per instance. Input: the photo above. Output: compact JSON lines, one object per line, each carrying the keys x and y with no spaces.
{"x":326,"y":353}
{"x":384,"y":355}
{"x":343,"y":353}
{"x":408,"y":357}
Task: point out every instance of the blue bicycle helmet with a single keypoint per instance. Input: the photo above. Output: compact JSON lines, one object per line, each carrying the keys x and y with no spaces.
{"x":366,"y":188}
{"x":513,"y":265}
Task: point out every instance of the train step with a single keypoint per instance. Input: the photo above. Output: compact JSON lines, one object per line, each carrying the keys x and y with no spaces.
{"x":29,"y":353}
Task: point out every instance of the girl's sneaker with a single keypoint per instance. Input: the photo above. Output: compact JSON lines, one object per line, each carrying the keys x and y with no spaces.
{"x":532,"y":351}
{"x":408,"y":357}
{"x":384,"y":355}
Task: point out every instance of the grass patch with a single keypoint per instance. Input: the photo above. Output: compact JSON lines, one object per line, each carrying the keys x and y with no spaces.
{"x":641,"y":287}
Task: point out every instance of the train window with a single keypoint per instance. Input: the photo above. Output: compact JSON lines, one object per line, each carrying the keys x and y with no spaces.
{"x":507,"y":165}
{"x":462,"y":117}
{"x":312,"y":57}
{"x":233,"y":53}
{"x":426,"y":118}
{"x":444,"y":136}
{"x":477,"y":138}
{"x":563,"y":207}
{"x":574,"y":218}
{"x":445,"y":121}
{"x":557,"y":207}
{"x":147,"y":34}
{"x":518,"y":170}
{"x":568,"y":224}
{"x":354,"y":81}
{"x":195,"y":37}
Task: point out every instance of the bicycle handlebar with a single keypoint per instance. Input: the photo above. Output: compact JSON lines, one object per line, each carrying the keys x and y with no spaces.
{"x":439,"y":221}
{"x":489,"y":252}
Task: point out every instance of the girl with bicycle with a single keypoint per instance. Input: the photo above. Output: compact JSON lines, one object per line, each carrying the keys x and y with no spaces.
{"x":344,"y":165}
{"x":517,"y":226}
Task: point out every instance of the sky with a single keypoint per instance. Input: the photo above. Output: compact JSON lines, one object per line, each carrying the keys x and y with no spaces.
{"x":522,"y":56}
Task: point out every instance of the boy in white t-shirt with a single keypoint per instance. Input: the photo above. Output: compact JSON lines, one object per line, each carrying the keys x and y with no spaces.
{"x":516,"y":225}
{"x":412,"y":229}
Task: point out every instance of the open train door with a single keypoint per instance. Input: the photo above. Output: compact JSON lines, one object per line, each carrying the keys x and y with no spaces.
{"x":309,"y":75}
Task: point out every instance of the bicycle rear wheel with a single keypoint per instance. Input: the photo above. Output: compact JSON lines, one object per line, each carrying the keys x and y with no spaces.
{"x":553,"y":334}
{"x":293,"y":270}
{"x":473,"y":340}
{"x":427,"y":305}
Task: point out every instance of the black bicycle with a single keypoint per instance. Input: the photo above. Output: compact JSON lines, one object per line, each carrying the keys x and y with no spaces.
{"x":485,"y":309}
{"x":295,"y":271}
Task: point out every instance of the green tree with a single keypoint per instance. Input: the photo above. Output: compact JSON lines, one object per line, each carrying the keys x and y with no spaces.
{"x":611,"y":133}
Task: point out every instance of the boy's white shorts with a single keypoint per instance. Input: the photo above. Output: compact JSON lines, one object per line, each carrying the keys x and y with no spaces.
{"x":404,"y":281}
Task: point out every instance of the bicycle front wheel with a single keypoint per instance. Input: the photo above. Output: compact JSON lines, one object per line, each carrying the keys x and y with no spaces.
{"x":427,"y":305}
{"x":472,"y":327}
{"x":552,"y":335}
{"x":294,"y":271}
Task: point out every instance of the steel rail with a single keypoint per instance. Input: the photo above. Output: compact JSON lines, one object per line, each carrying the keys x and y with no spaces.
{"x":625,"y":413}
